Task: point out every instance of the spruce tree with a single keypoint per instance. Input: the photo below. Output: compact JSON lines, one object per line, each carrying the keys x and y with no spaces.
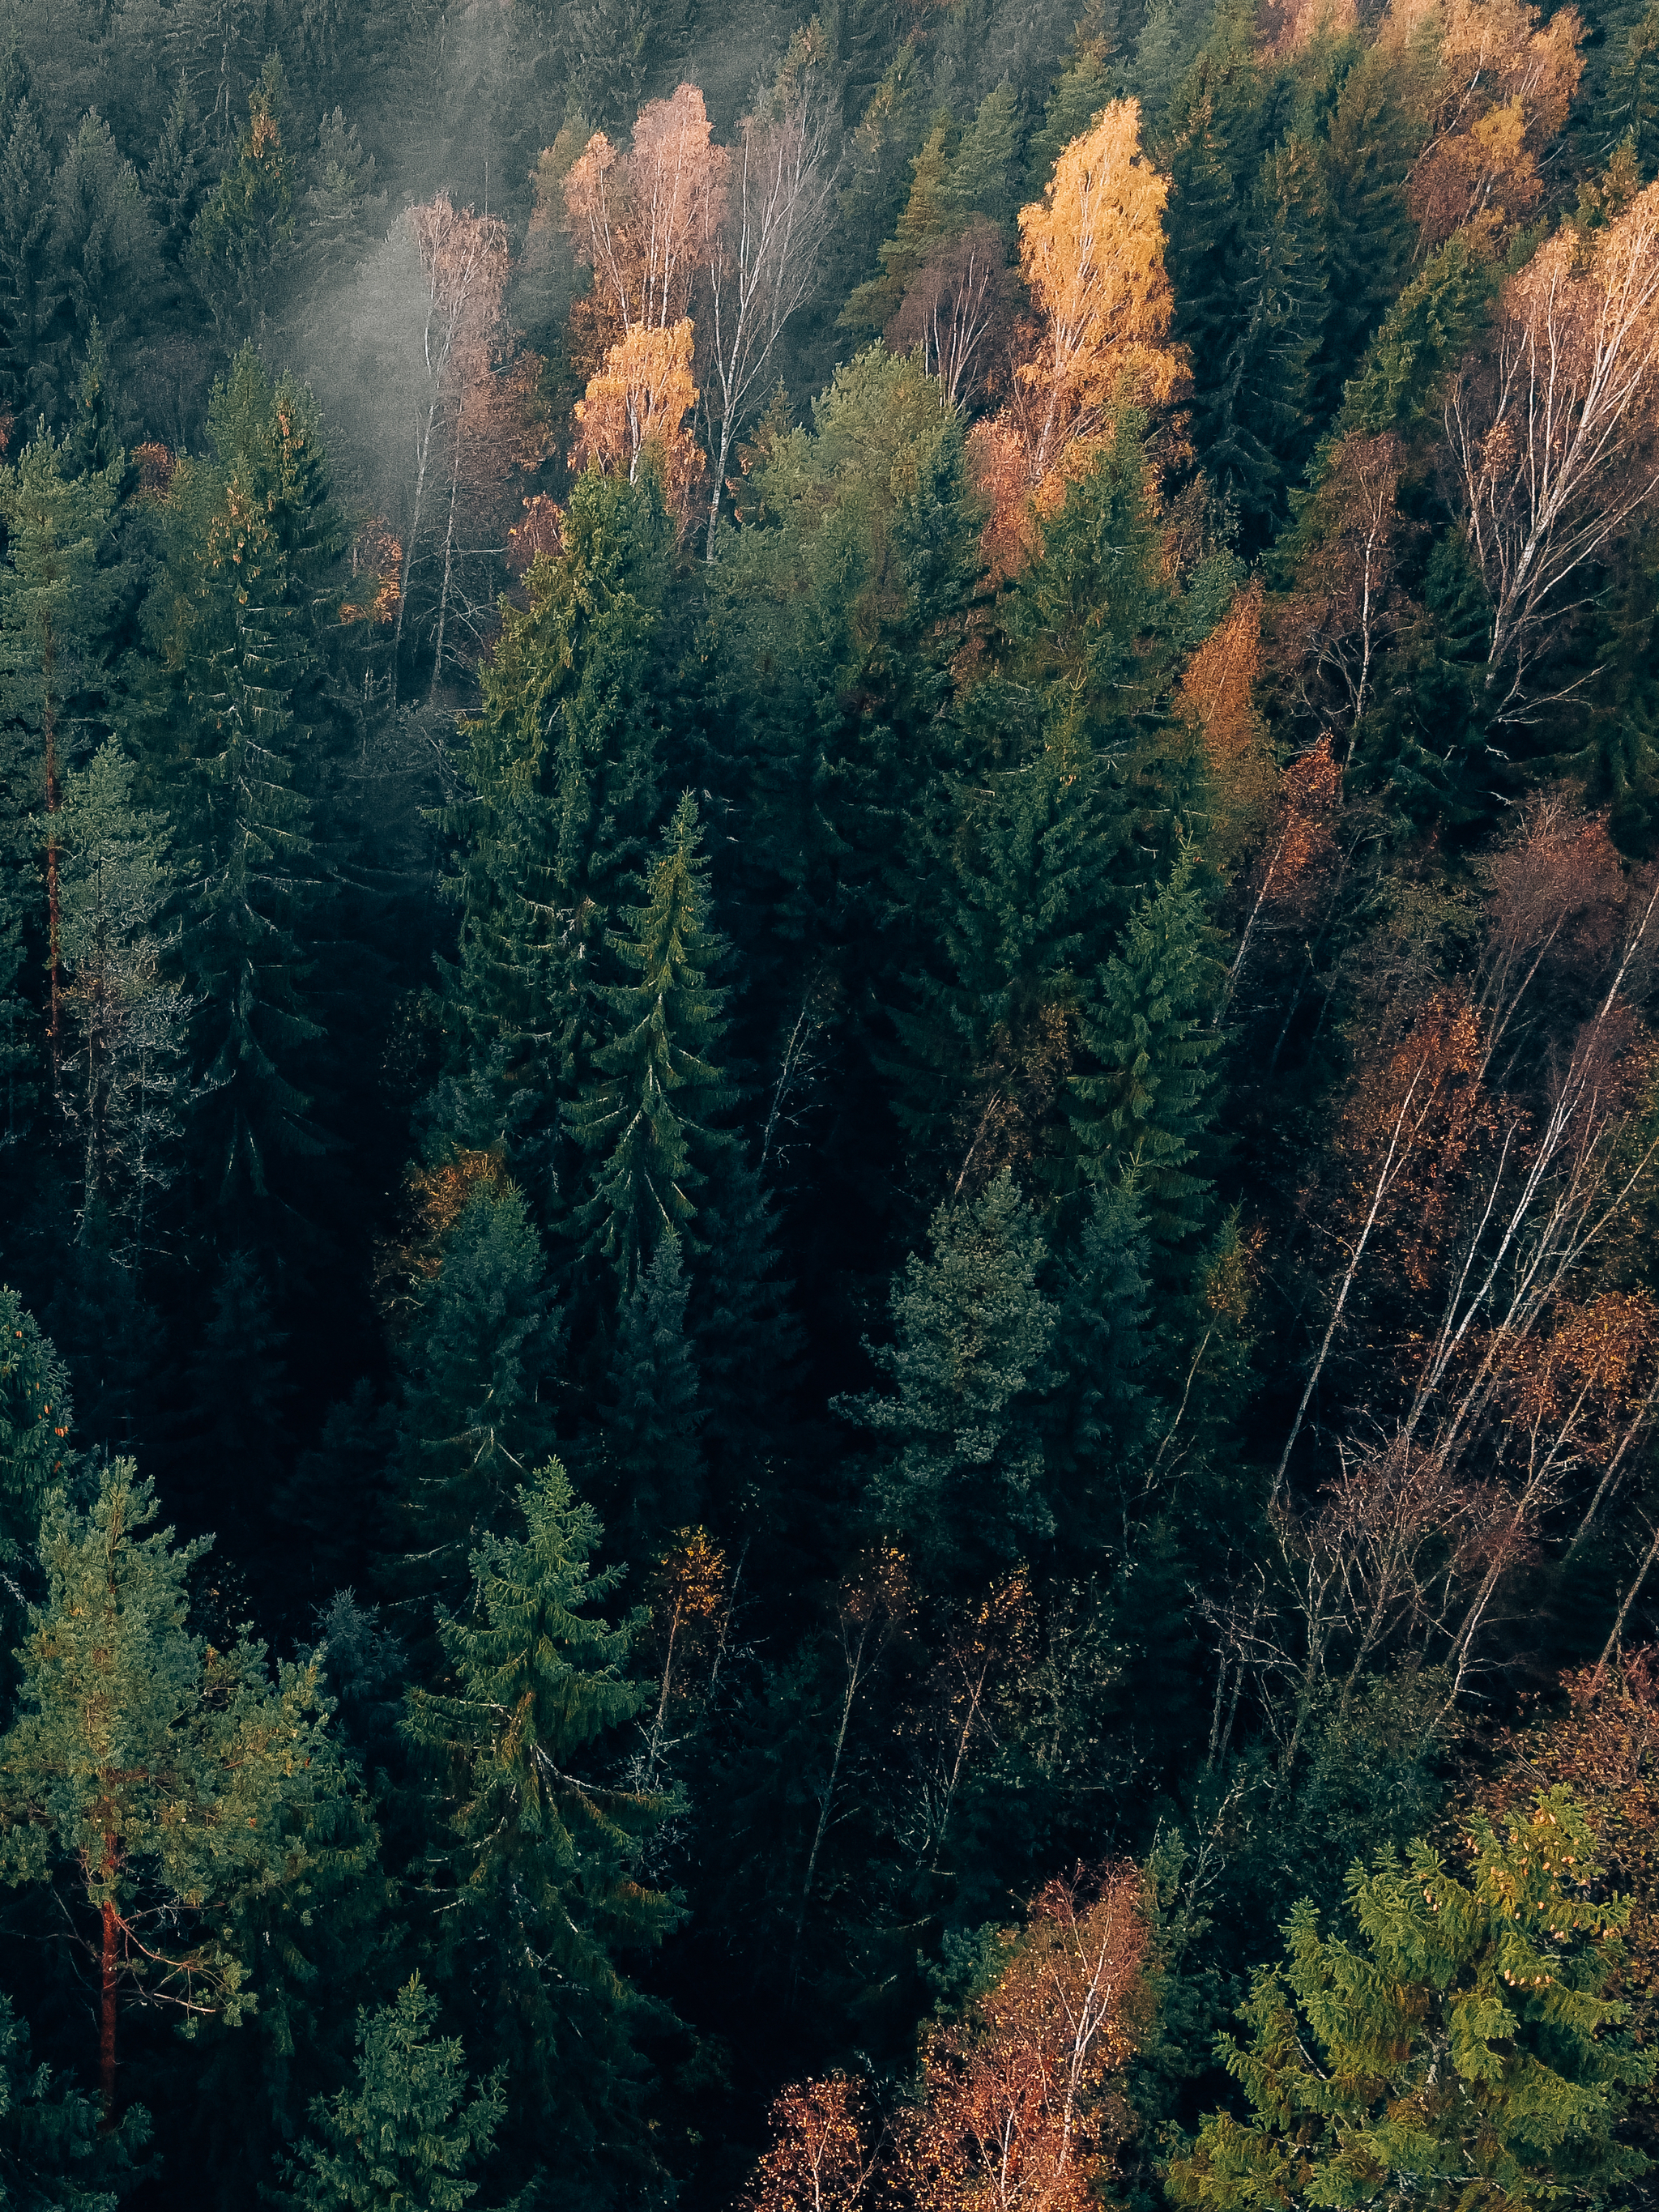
{"x":404,"y":2136}
{"x":123,"y":1022}
{"x":103,"y":237}
{"x":541,"y":1856}
{"x":59,"y":585}
{"x":1463,"y":2045}
{"x":174,"y":180}
{"x":964,"y":1479}
{"x":566,"y":771}
{"x":642,"y":1123}
{"x":649,"y":1478}
{"x":36,"y":1419}
{"x":54,"y":2156}
{"x":32,"y":344}
{"x":241,"y":241}
{"x":1428,"y":740}
{"x":874,"y":303}
{"x":237,"y":712}
{"x":475,"y":1406}
{"x":1140,"y":1114}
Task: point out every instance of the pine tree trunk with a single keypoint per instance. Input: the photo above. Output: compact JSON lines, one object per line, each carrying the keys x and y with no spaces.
{"x":107,"y":2026}
{"x":49,"y":721}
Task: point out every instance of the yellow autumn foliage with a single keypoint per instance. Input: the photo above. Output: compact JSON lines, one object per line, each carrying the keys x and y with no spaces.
{"x":639,"y":401}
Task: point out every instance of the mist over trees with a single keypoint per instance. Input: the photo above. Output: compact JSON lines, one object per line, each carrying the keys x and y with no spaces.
{"x":829,"y":1023}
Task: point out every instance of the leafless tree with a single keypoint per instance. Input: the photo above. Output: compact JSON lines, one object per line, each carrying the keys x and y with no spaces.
{"x":762,"y":253}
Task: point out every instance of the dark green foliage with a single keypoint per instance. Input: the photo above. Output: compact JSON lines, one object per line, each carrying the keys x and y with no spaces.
{"x":53,"y":2155}
{"x":31,"y":290}
{"x":543,"y":1856}
{"x":477,"y":1406}
{"x":1427,"y":741}
{"x":240,"y":241}
{"x":35,"y":1421}
{"x":641,"y":1121}
{"x":409,"y":2133}
{"x":234,"y":715}
{"x":174,"y":180}
{"x":566,"y":765}
{"x":873,"y":1048}
{"x":965,"y":1482}
{"x":1141,"y":1118}
{"x":649,"y":1477}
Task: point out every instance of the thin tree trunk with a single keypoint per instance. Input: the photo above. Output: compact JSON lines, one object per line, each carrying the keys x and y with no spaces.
{"x":719,"y":486}
{"x":1384,"y":1181}
{"x":423,"y":454}
{"x":449,"y":550}
{"x":854,"y":1672}
{"x":106,"y":2022}
{"x":49,"y":721}
{"x":1630,"y":1600}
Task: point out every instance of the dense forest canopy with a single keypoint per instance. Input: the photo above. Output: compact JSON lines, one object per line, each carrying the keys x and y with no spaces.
{"x":829,"y":1104}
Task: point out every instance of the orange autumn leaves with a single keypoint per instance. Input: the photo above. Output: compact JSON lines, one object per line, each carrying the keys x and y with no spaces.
{"x":644,"y":222}
{"x":1017,"y":2107}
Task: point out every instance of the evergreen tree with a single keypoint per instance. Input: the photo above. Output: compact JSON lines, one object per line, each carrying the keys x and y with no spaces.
{"x":874,"y":303}
{"x":1427,"y":742}
{"x":983,"y":179}
{"x":123,"y":1022}
{"x":1143,"y":1113}
{"x":237,"y":709}
{"x":650,"y":1477}
{"x":240,"y":242}
{"x":342,"y":213}
{"x":58,"y":587}
{"x":92,"y":440}
{"x":1373,"y":137}
{"x":566,"y":771}
{"x":544,"y":1863}
{"x":476,"y":1408}
{"x":405,"y":2137}
{"x":36,"y":1417}
{"x":642,"y":1123}
{"x":103,"y":240}
{"x":54,"y":2157}
{"x":156,"y":1772}
{"x":32,"y":344}
{"x":1101,"y":1412}
{"x":174,"y":180}
{"x":1465,"y":2042}
{"x":966,"y":1480}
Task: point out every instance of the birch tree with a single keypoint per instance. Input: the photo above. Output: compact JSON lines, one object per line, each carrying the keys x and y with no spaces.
{"x":761,"y":251}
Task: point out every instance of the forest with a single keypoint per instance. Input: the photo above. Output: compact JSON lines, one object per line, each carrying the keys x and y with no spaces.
{"x":829,"y":1105}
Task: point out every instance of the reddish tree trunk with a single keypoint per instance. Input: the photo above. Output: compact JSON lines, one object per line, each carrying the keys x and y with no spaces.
{"x":106,"y":2025}
{"x":48,"y":661}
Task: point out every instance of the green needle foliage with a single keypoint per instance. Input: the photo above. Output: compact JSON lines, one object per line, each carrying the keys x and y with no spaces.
{"x":54,"y":2157}
{"x":157,"y":1773}
{"x":402,"y":2138}
{"x":1460,"y":2051}
{"x":1145,"y":1111}
{"x":973,"y":1332}
{"x":643,"y":1120}
{"x":35,"y":1421}
{"x":541,"y":1864}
